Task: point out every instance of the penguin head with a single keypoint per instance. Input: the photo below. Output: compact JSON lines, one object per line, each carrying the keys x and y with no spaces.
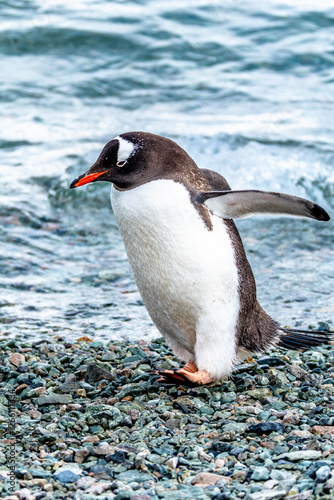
{"x":134,"y":158}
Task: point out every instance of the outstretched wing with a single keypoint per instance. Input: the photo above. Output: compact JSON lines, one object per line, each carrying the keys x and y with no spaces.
{"x":240,"y":204}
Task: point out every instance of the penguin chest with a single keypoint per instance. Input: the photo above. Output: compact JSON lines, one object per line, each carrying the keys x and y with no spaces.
{"x":182,"y":269}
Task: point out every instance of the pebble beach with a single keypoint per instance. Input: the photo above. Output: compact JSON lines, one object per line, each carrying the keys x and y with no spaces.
{"x":91,"y":421}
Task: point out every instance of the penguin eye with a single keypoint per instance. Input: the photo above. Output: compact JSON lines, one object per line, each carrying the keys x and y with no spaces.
{"x":121,"y":163}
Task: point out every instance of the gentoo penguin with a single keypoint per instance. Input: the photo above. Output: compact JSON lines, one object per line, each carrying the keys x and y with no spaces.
{"x":187,"y":257}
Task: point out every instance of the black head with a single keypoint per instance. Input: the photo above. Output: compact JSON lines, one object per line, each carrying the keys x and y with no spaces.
{"x":135,"y":158}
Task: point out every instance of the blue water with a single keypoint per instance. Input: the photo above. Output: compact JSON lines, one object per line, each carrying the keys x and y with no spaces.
{"x":246,"y":89}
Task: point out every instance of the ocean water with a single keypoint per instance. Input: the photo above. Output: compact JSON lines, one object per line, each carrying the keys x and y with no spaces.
{"x":246,"y":89}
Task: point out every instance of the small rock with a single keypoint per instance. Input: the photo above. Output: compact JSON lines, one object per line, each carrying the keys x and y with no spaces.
{"x":266,"y":495}
{"x":103,"y":449}
{"x":259,"y":393}
{"x":98,"y":488}
{"x":24,"y":494}
{"x":323,"y":474}
{"x":266,"y":427}
{"x":20,"y":388}
{"x":94,"y":373}
{"x":67,"y":387}
{"x":238,"y":427}
{"x":207,"y":478}
{"x":172,"y":462}
{"x":91,"y":439}
{"x":220,"y":446}
{"x":54,"y":399}
{"x":295,"y":456}
{"x":260,"y":473}
{"x":298,"y":433}
{"x":16,"y":359}
{"x":127,"y":421}
{"x":85,"y":482}
{"x":323,"y":429}
{"x":81,"y":455}
{"x":291,"y":418}
{"x":270,"y":484}
{"x":297,"y":371}
{"x":141,"y":497}
{"x":173,"y":423}
{"x":66,"y":476}
{"x":134,"y":415}
{"x":82,"y":393}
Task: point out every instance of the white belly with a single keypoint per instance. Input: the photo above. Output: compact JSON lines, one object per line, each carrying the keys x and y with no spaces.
{"x":186,"y":274}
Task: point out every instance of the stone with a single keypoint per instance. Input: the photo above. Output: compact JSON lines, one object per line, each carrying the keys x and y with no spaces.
{"x":291,"y":418}
{"x":323,"y":474}
{"x":98,"y":488}
{"x":220,"y":446}
{"x":91,"y":439}
{"x":208,"y":478}
{"x":295,"y":456}
{"x":266,"y":427}
{"x":96,"y":344}
{"x":103,"y":449}
{"x":16,"y":359}
{"x":24,"y":494}
{"x":113,"y":414}
{"x":55,"y":399}
{"x":259,"y":393}
{"x":173,"y":423}
{"x":297,"y":371}
{"x":260,"y":473}
{"x":238,"y":427}
{"x":323,"y":429}
{"x":67,"y":387}
{"x":94,"y":373}
{"x":172,"y":462}
{"x":141,"y":497}
{"x":66,"y":476}
{"x":84,"y":482}
{"x":34,"y":414}
{"x":81,"y":455}
{"x":134,"y":475}
{"x":266,"y":495}
{"x":298,"y":433}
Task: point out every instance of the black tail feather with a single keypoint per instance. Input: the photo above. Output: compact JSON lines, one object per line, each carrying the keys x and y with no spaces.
{"x":302,"y":339}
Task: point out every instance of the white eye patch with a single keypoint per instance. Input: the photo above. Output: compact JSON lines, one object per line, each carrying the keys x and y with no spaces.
{"x":125,"y":149}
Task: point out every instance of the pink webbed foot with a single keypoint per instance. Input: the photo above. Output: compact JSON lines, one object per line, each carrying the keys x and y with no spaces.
{"x":189,"y":375}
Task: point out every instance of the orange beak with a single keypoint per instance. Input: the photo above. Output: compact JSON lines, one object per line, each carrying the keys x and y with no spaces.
{"x":85,"y":179}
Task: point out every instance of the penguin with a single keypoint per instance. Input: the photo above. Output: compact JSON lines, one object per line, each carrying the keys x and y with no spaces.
{"x":187,"y":257}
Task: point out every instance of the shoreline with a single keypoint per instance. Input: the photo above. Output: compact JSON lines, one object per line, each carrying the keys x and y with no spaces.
{"x":91,"y":422}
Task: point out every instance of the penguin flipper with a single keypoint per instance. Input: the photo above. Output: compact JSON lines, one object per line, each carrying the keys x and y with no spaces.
{"x":241,"y":204}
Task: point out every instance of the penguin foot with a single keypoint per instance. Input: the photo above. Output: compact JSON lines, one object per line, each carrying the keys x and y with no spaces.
{"x":189,"y":375}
